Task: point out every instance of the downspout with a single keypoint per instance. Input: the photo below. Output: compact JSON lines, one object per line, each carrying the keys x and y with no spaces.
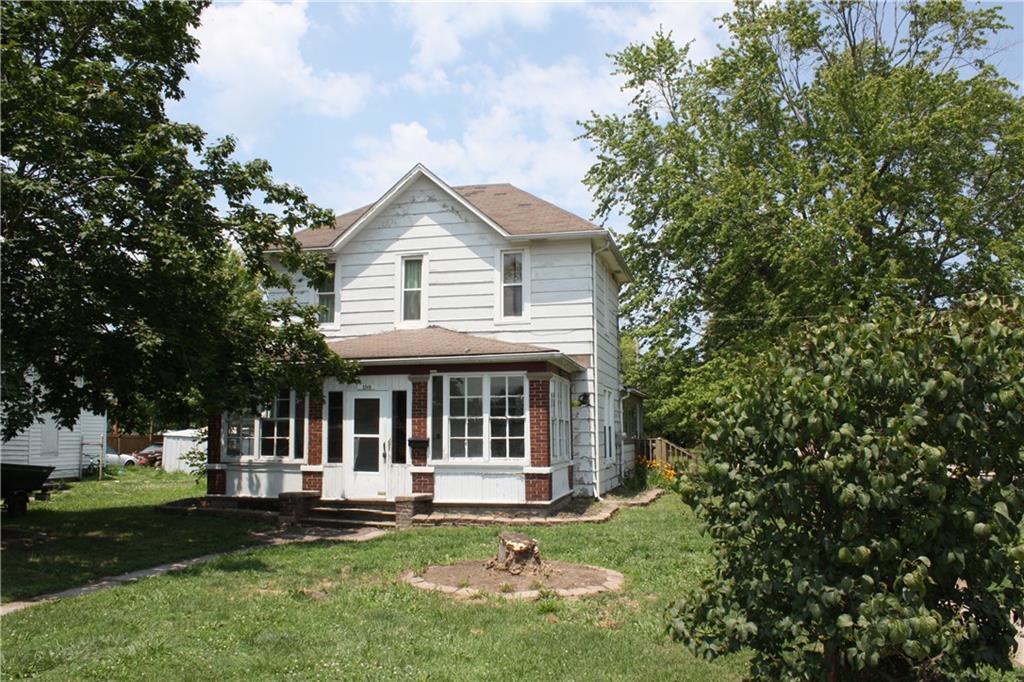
{"x":597,"y":366}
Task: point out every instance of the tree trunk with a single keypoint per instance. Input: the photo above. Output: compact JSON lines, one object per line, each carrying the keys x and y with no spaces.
{"x":516,"y":552}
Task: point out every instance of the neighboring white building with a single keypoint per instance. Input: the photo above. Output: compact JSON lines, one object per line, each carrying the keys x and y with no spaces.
{"x":68,"y":450}
{"x":176,"y":444}
{"x":486,"y":322}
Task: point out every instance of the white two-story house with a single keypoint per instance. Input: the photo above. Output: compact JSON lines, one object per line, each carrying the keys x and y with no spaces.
{"x":485,"y":322}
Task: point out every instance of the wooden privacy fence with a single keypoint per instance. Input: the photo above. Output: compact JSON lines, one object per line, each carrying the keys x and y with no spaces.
{"x":663,"y":450}
{"x":131,"y":442}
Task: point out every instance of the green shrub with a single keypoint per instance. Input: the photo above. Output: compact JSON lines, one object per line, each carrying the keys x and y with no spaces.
{"x":864,"y":488}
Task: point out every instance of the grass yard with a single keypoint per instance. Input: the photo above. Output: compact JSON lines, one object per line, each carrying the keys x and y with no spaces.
{"x":336,"y":610}
{"x":101,"y":528}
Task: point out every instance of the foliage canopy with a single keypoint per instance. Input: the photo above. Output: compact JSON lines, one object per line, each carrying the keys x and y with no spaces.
{"x":830,"y":154}
{"x":133,"y":250}
{"x":864,"y":488}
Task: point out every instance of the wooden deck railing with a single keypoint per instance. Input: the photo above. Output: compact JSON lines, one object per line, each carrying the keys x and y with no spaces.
{"x":664,"y":450}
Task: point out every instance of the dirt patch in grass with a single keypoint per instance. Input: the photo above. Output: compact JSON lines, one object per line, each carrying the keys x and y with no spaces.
{"x":555,"y":575}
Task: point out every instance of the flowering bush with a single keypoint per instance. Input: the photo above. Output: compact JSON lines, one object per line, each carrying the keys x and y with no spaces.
{"x":659,"y":474}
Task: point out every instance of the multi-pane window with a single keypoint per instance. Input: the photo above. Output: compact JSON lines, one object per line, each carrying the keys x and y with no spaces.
{"x":508,"y":417}
{"x":278,"y":431}
{"x":558,"y":410}
{"x":326,"y":297}
{"x":412,"y":288}
{"x":238,"y":435}
{"x":275,"y":426}
{"x":466,"y":416}
{"x":487,"y":417}
{"x":512,"y":284}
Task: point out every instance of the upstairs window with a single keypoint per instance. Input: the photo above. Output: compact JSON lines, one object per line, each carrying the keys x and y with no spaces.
{"x":326,"y":297}
{"x":412,"y":289}
{"x":512,"y":284}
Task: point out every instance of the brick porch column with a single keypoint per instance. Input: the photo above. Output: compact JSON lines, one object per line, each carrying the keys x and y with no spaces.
{"x":314,"y":480}
{"x":419,"y":442}
{"x":216,"y":479}
{"x":538,"y":486}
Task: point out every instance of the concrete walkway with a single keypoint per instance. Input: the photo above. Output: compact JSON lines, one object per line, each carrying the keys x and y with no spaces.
{"x":262,"y":540}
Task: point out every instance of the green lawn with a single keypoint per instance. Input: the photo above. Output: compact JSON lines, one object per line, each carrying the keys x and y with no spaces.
{"x":336,"y":610}
{"x":102,"y":528}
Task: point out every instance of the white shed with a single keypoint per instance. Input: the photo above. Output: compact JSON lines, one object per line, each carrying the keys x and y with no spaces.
{"x":176,"y":444}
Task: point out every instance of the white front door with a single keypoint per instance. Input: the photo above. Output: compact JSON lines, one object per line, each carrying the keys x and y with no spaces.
{"x":368,"y":436}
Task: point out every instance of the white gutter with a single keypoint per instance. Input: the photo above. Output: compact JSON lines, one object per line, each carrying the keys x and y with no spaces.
{"x":553,"y":356}
{"x":597,"y":371}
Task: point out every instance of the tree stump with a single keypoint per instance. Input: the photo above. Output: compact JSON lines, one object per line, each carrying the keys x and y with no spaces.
{"x":516,"y":553}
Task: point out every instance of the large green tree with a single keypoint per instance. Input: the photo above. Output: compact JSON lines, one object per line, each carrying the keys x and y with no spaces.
{"x":830,"y":154}
{"x":133,"y":251}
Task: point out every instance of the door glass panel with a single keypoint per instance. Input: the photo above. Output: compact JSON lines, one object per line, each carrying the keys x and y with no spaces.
{"x":367,"y":434}
{"x":367,"y":416}
{"x":367,"y":453}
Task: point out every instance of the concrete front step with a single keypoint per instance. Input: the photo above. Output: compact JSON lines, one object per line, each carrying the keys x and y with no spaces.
{"x":363,"y":513}
{"x":340,"y":521}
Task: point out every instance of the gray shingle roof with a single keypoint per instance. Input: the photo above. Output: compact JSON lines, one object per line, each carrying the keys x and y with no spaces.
{"x":427,"y":342}
{"x":518,"y":212}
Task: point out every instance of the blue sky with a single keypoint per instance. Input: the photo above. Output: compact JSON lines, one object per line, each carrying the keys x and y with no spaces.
{"x":342,"y":99}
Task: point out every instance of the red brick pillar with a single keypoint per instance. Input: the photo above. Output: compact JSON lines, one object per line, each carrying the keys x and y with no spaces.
{"x":314,"y":480}
{"x":422,"y":481}
{"x":216,"y":478}
{"x":538,"y":486}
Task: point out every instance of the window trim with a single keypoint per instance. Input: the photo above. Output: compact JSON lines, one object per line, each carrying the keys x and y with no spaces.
{"x":334,"y":294}
{"x":558,"y":385}
{"x":424,"y":289}
{"x":257,"y":457}
{"x":608,"y":425}
{"x":499,"y":286}
{"x":486,"y":460}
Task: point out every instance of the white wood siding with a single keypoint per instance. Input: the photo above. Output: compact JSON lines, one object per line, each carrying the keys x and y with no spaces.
{"x":73,"y":446}
{"x":461,"y":287}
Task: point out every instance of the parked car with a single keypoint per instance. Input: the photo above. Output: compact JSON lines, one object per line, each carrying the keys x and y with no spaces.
{"x":112,"y":459}
{"x":149,"y":456}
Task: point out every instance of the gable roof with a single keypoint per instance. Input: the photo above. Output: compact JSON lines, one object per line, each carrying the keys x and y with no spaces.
{"x":511,"y":210}
{"x":428,"y":342}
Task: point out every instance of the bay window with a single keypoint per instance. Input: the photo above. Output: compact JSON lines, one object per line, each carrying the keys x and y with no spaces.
{"x":486,"y":417}
{"x":508,"y":417}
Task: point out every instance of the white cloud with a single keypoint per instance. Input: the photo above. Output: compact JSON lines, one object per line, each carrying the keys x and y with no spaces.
{"x":688,"y":21}
{"x":523,"y":132}
{"x":440,"y":29}
{"x":439,"y":32}
{"x":253,"y":70}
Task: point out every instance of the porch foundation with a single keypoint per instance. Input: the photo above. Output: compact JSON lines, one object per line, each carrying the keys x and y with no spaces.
{"x":408,"y":506}
{"x":296,"y":506}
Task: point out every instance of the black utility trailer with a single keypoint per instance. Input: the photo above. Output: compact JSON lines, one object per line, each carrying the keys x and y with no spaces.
{"x":18,"y":481}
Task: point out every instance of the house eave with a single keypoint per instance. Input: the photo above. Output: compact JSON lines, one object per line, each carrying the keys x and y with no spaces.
{"x":553,"y":357}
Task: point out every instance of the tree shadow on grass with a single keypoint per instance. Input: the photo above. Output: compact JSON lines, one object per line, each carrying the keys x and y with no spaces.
{"x":51,"y":549}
